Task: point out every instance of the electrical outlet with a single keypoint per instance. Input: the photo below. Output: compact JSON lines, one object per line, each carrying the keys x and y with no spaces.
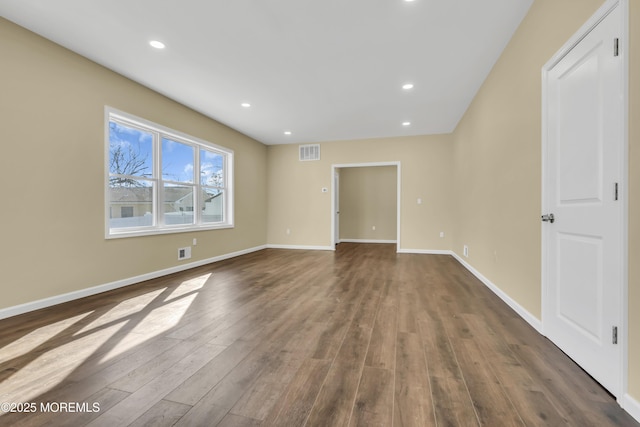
{"x":442,"y":234}
{"x":465,"y":251}
{"x":373,"y":228}
{"x":288,"y":231}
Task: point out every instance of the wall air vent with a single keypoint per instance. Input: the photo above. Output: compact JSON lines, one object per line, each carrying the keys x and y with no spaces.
{"x":309,"y":152}
{"x":184,"y":253}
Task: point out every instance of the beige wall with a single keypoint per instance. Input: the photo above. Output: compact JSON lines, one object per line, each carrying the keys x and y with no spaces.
{"x":296,"y":201}
{"x":497,"y":163}
{"x":497,"y":155}
{"x":52,"y":135}
{"x":368,"y":199}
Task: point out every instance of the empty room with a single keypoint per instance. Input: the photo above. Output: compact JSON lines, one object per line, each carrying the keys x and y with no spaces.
{"x":335,"y":213}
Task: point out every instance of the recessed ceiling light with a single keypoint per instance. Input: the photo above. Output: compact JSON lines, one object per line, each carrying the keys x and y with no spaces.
{"x":408,"y":1}
{"x":287,"y":132}
{"x":407,"y":86}
{"x":157,"y":44}
{"x":406,"y":123}
{"x":246,"y":105}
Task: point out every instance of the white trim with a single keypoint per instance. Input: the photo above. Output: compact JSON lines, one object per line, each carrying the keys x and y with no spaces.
{"x":366,"y":165}
{"x":624,"y":54}
{"x":521,"y":311}
{"x":301,"y":247}
{"x":166,"y":230}
{"x":426,"y":251}
{"x":398,"y":204}
{"x":335,"y":209}
{"x":70,"y":296}
{"x":631,"y":405}
{"x":398,"y":166}
{"x":366,"y":241}
{"x":585,"y":29}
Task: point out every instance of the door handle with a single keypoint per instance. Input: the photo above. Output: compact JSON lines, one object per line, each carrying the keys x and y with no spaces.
{"x":548,"y":218}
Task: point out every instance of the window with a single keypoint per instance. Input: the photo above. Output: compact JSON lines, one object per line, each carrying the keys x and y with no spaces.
{"x":162,"y":181}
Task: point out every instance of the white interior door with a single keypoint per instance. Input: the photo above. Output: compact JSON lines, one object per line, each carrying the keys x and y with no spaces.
{"x":582,"y":246}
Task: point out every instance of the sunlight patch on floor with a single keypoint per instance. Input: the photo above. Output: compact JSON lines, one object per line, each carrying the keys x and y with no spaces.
{"x":157,"y":322}
{"x":163,"y":316}
{"x":190,"y":285}
{"x":106,"y":335}
{"x":50,"y":368}
{"x":36,"y":338}
{"x":120,"y":312}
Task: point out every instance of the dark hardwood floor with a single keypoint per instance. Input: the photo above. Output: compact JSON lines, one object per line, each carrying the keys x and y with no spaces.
{"x":362,"y":337}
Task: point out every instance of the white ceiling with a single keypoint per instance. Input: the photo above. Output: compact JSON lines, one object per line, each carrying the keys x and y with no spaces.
{"x":325,"y":69}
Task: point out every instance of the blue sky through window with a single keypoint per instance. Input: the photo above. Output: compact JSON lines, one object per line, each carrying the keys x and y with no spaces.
{"x":131,"y":153}
{"x":130,"y":150}
{"x":177,"y":161}
{"x":211,"y":166}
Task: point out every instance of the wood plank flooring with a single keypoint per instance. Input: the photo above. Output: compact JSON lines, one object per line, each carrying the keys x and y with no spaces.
{"x":359,"y":337}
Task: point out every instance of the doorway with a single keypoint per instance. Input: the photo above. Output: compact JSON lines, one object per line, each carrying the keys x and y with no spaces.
{"x":338,"y":218}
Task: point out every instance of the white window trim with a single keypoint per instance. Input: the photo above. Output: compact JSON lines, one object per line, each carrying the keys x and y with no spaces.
{"x":158,"y":227}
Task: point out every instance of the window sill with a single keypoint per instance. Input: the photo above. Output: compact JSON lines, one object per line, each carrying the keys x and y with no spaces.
{"x":169,"y":230}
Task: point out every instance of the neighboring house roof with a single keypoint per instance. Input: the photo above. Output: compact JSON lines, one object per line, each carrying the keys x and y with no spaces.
{"x":131,"y":194}
{"x":144,"y":195}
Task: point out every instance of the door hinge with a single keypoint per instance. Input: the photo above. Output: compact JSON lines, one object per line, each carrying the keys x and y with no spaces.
{"x":614,"y":335}
{"x":616,"y":47}
{"x":615,"y":192}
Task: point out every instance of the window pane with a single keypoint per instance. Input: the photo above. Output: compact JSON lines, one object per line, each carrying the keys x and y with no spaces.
{"x":130,"y":152}
{"x":177,"y":161}
{"x":131,"y":206}
{"x":211,"y":169}
{"x":178,"y":204}
{"x":213,"y":205}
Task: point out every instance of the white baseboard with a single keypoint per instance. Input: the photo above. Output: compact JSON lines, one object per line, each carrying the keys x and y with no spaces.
{"x":366,"y":241}
{"x":70,"y":296}
{"x":632,"y":406}
{"x":528,"y":317}
{"x":425,"y":251}
{"x":301,"y":247}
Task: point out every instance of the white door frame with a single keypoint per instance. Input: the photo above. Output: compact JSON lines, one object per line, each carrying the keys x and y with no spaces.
{"x":600,"y":14}
{"x":336,"y":207}
{"x":334,"y":194}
